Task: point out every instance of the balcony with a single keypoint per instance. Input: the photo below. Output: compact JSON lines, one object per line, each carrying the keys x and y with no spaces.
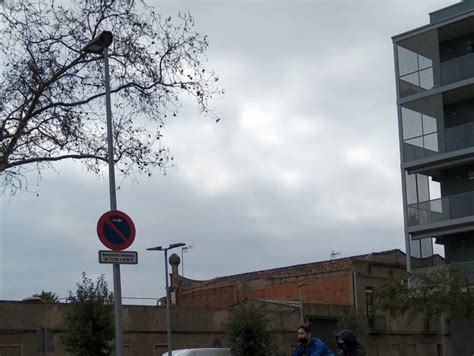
{"x":440,"y":213}
{"x":454,"y":139}
{"x":457,"y":69}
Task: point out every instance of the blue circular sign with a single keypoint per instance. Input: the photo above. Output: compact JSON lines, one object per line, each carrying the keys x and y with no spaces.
{"x":116,"y":230}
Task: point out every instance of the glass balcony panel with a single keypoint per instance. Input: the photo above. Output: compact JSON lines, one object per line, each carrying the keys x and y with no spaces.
{"x":455,"y":138}
{"x":457,"y":69}
{"x":443,"y":209}
{"x":423,"y":187}
{"x":421,"y":252}
{"x":418,"y":63}
{"x":459,"y":137}
{"x":413,"y":150}
{"x":436,"y":205}
{"x":407,"y":61}
{"x":412,"y":194}
{"x":412,"y":123}
{"x":429,"y":124}
{"x":413,"y":78}
{"x":418,"y":142}
{"x":424,"y":62}
{"x":431,"y":142}
{"x":407,"y":89}
{"x":426,"y":79}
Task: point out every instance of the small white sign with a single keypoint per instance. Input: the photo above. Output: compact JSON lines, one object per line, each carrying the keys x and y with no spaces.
{"x":120,"y":257}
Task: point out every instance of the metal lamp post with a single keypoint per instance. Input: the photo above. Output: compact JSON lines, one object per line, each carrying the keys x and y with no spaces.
{"x":168,"y":316}
{"x":100,"y":45}
{"x":301,"y":302}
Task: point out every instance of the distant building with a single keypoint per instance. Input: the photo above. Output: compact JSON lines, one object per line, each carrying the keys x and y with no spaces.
{"x":435,"y":98}
{"x":326,"y":291}
{"x":319,"y":292}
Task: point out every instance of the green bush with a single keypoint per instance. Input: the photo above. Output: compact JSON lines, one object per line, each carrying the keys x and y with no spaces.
{"x":89,"y":324}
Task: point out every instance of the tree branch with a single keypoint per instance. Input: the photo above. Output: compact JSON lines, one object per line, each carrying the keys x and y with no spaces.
{"x":53,"y":159}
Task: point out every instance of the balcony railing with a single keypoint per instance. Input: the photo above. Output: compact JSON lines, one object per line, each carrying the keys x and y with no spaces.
{"x":443,"y":209}
{"x":459,"y":137}
{"x":455,"y":138}
{"x":457,"y":69}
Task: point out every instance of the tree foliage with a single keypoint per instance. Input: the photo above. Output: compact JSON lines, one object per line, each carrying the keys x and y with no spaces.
{"x":47,"y":297}
{"x":432,"y":292}
{"x":52,"y":93}
{"x":89,"y":326}
{"x":248,"y":332}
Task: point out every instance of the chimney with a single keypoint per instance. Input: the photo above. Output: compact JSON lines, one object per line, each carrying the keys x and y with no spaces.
{"x":174,"y":261}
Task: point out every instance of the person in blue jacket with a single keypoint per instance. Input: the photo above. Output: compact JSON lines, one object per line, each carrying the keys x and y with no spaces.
{"x":309,"y":345}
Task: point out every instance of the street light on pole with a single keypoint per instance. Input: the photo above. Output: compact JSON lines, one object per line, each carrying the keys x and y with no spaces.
{"x":100,"y":45}
{"x":301,"y":302}
{"x":184,"y":249}
{"x":168,"y":317}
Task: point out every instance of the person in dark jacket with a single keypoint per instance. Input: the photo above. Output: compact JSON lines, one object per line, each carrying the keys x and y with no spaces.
{"x":347,"y":342}
{"x":309,"y":345}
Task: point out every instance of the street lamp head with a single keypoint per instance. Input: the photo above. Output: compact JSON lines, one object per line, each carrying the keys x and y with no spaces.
{"x":179,"y":244}
{"x":157,"y":248}
{"x":187,"y":248}
{"x":99,"y":43}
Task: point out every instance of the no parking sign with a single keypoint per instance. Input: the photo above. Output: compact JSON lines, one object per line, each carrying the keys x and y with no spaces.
{"x":116,"y":230}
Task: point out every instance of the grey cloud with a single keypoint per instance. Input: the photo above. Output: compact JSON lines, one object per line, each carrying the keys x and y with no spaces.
{"x":305,"y":160}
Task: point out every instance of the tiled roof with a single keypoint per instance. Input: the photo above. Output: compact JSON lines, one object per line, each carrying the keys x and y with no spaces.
{"x":334,"y":265}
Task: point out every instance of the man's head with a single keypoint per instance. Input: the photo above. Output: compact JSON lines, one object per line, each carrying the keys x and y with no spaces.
{"x":304,"y":333}
{"x":346,"y":339}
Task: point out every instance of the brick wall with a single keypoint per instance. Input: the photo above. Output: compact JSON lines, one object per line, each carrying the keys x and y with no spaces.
{"x":330,"y":288}
{"x":217,"y":297}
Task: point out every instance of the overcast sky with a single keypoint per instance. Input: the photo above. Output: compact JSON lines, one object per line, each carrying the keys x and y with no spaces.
{"x":304,"y":162}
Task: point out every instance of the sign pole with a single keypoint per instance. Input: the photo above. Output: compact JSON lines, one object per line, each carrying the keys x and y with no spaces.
{"x":113,"y":206}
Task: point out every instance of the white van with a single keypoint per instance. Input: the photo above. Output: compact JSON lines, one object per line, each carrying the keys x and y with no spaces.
{"x":200,"y":352}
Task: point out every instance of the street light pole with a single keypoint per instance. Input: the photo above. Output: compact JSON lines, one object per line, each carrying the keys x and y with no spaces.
{"x":182,"y":261}
{"x":119,"y":345}
{"x":168,"y":309}
{"x":301,"y":302}
{"x":100,"y":45}
{"x":110,"y":138}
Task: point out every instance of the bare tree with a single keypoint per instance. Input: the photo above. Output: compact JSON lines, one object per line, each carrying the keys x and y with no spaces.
{"x":52,"y":93}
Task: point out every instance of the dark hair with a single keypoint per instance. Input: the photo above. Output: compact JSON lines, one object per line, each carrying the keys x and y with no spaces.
{"x":306,"y":327}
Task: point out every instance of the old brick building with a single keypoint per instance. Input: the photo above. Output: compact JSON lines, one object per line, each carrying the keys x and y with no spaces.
{"x":325,"y":282}
{"x":322,"y":292}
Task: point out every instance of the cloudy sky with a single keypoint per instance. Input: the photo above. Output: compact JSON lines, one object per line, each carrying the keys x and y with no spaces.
{"x":304,"y":162}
